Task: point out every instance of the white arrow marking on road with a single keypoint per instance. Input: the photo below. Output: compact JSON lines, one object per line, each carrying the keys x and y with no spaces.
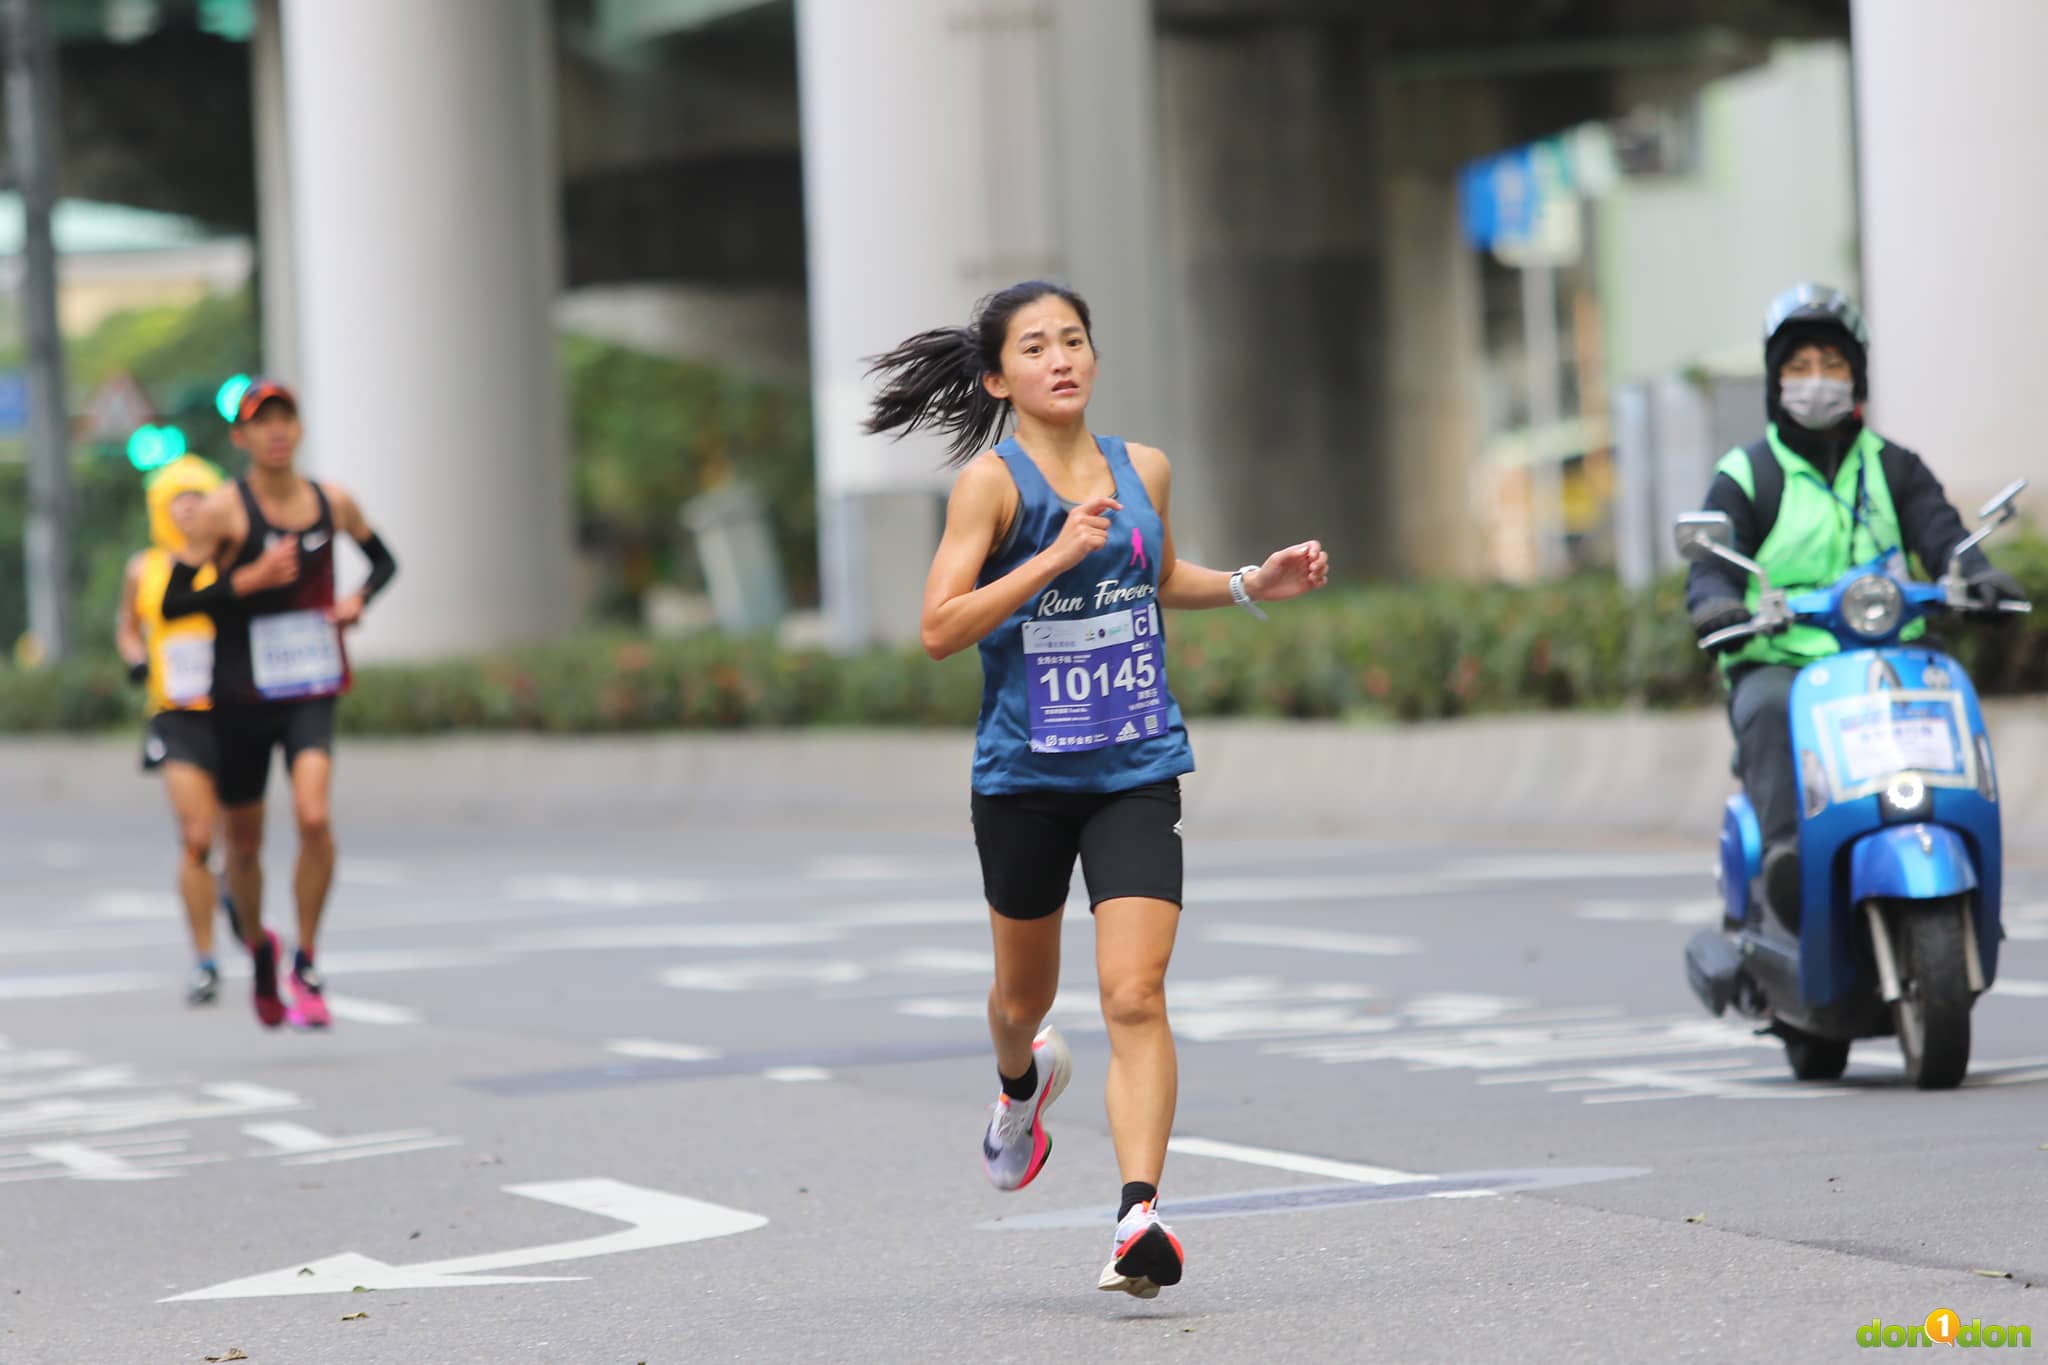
{"x":657,"y":1219}
{"x":1311,"y":1165}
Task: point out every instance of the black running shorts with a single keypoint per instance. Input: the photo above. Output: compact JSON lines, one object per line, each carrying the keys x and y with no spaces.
{"x":1128,"y":843}
{"x":180,"y":737}
{"x":249,"y":734}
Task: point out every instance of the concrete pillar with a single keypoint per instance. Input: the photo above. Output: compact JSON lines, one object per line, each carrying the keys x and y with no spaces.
{"x":278,"y":287}
{"x":1432,"y":418}
{"x":952,"y":147}
{"x":1950,"y":111}
{"x":1273,"y":190}
{"x":425,"y":197}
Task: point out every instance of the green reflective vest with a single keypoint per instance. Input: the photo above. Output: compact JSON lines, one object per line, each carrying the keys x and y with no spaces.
{"x":1817,"y":537}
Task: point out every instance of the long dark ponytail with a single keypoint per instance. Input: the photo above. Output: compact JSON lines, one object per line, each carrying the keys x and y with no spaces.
{"x":935,"y":377}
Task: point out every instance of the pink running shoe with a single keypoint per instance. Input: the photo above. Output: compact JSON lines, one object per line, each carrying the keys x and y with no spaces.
{"x":309,"y":1009}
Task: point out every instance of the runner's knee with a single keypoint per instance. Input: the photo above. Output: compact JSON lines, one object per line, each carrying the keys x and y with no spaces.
{"x":1133,"y":1000}
{"x":314,"y":822}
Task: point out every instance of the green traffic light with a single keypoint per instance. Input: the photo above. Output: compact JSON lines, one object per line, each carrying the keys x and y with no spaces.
{"x":229,"y":398}
{"x":153,"y":447}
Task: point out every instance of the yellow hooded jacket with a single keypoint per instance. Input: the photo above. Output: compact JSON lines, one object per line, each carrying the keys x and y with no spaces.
{"x":180,"y":651}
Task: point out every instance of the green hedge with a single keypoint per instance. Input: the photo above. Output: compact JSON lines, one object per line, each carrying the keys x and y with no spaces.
{"x":1388,"y":653}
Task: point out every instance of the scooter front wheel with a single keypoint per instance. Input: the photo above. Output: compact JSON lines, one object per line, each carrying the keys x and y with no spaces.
{"x":1932,"y":1014}
{"x":1812,"y":1057}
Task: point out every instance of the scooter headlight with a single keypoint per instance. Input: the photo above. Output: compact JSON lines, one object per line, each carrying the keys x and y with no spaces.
{"x":1907,"y":796}
{"x":1872,"y":606}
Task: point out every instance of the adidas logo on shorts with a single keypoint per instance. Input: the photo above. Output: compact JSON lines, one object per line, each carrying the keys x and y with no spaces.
{"x":1129,"y":732}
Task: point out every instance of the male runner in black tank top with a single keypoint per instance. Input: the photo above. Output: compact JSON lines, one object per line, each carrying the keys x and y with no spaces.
{"x":279,"y":664}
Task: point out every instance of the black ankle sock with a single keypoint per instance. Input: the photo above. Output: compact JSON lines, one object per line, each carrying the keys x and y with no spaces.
{"x":302,"y":961}
{"x":1136,"y":1192}
{"x":1024,"y":1086}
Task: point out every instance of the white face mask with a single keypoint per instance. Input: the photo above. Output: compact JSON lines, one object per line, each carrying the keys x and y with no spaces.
{"x":1817,"y":404}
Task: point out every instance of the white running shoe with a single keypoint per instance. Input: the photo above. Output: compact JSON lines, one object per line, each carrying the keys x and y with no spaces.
{"x":1014,"y":1149}
{"x":1144,"y":1256}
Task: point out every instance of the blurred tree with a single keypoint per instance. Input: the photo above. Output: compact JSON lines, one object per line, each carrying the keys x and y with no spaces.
{"x":650,"y":432}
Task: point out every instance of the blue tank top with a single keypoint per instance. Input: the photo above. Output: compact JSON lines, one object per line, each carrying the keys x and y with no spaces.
{"x":1073,"y":693}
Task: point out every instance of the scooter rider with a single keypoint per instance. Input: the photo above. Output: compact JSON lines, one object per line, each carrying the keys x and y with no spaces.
{"x":1819,"y":494}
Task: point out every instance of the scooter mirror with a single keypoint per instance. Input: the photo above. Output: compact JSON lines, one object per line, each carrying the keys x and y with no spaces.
{"x":1697,"y":533}
{"x":2003,"y":501}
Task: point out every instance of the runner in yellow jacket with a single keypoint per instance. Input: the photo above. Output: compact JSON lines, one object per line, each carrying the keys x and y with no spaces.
{"x":173,"y":660}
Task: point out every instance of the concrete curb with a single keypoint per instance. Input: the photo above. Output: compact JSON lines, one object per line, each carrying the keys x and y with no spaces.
{"x":1641,"y":773}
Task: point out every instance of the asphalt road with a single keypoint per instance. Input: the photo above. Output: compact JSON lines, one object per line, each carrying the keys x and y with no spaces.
{"x":662,"y":1094}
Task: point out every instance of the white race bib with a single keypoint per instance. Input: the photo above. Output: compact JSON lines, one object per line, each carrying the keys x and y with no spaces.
{"x":295,"y":654}
{"x":188,"y":670}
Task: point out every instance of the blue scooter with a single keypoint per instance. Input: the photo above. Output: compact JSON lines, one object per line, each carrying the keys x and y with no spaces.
{"x":1899,"y":836}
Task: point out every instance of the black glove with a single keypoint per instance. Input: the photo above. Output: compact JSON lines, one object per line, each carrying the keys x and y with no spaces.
{"x":1719,"y":613}
{"x":139,"y":673}
{"x":1991,"y":587}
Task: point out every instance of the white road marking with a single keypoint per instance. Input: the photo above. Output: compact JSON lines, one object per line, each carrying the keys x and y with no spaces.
{"x":1652,"y":912}
{"x":796,"y":1073}
{"x":1314,"y":940}
{"x":157,"y":1156}
{"x":761,"y":974}
{"x":369,"y":872}
{"x":668,"y":1052}
{"x":302,"y":1146}
{"x":2026,"y":921}
{"x":2020,"y":987}
{"x":369,"y":961}
{"x":1291,"y":1161}
{"x":1580,"y":867}
{"x":136,"y":905}
{"x":90,"y":1163}
{"x":71,"y":985}
{"x":962,"y":910}
{"x":74,"y":1116}
{"x":620,"y":892}
{"x":1312,"y":1165}
{"x":674,"y":936}
{"x":945,"y":961}
{"x":862,"y":868}
{"x":107,"y":941}
{"x":655,"y":1218}
{"x":359,"y":1011}
{"x":1279,"y":890}
{"x":85,"y":1080}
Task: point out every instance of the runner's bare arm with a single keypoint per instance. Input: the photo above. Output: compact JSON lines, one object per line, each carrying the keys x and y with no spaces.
{"x":127,"y":621}
{"x":215,"y":536}
{"x":957,"y":613}
{"x":1188,"y":586}
{"x":348,"y":516}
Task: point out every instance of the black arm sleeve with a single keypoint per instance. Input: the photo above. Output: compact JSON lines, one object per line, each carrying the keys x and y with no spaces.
{"x":1713,"y":578}
{"x":216,"y":599}
{"x":1930,"y":526}
{"x":382,"y":566}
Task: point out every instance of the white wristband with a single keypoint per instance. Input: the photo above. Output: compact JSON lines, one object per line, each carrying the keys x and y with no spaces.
{"x":1240,"y":596}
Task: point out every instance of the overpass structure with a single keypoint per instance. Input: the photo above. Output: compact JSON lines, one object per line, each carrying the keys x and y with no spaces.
{"x":1260,"y":197}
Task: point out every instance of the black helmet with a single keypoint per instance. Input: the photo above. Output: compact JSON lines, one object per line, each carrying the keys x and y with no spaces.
{"x":1813,"y":313}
